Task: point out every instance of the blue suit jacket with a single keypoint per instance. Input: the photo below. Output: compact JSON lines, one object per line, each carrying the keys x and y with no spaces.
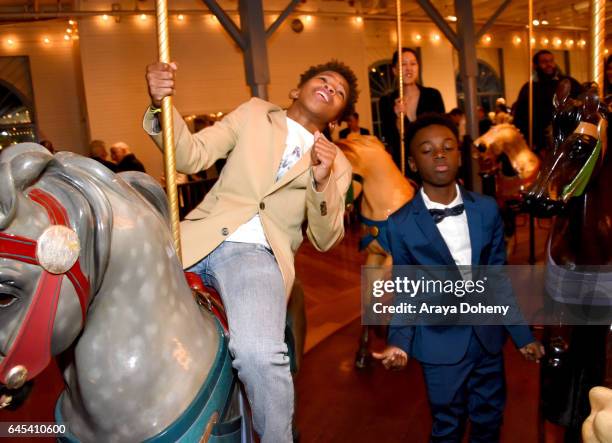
{"x":415,"y":240}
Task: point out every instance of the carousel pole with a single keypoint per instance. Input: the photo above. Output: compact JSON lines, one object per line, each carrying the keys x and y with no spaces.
{"x":598,"y":41}
{"x":530,"y":46}
{"x":167,"y":126}
{"x":400,"y":64}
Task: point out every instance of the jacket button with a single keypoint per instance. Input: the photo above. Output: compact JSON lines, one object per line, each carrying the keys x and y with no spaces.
{"x":262,"y":206}
{"x":225,"y":231}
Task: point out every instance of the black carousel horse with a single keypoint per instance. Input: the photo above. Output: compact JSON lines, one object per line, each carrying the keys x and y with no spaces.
{"x":574,"y":186}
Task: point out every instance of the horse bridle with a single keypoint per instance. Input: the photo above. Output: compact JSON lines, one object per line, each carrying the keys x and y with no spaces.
{"x":30,"y":352}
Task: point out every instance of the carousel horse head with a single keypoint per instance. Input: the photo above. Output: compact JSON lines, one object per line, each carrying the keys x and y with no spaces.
{"x":87,"y":259}
{"x":41,"y":312}
{"x":506,"y":139}
{"x":579,"y":151}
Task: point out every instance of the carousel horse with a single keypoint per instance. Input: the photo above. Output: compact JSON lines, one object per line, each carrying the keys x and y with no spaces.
{"x":88,"y":273}
{"x":597,"y":428}
{"x":508,"y":167}
{"x":503,"y":149}
{"x":383,"y":191}
{"x":574,"y":187}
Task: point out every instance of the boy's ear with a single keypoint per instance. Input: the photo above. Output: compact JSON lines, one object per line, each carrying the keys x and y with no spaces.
{"x":294,"y":93}
{"x":412,"y":164}
{"x":332,"y":125}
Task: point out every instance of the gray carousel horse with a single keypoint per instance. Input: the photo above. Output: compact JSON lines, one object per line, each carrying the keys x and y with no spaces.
{"x":88,"y":270}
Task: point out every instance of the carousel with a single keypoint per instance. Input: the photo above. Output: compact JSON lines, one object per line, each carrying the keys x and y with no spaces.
{"x":96,"y":307}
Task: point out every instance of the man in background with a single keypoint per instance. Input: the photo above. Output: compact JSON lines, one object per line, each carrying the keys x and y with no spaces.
{"x":98,"y":152}
{"x":352,"y":123}
{"x":125,"y":160}
{"x":546,"y":79}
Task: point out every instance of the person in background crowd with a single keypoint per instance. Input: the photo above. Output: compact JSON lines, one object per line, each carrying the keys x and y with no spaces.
{"x":546,"y":78}
{"x":125,"y":160}
{"x":418,"y":100}
{"x":502,"y":112}
{"x":352,"y":122}
{"x":484,"y":122}
{"x":98,"y":152}
{"x":608,"y":76}
{"x":47,"y":144}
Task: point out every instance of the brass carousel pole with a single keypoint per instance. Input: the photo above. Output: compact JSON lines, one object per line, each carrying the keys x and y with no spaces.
{"x":598,"y":41}
{"x":167,"y":126}
{"x":530,"y":46}
{"x":400,"y":64}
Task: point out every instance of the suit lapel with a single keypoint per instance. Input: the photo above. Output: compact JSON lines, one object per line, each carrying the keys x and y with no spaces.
{"x":430,"y":230}
{"x":278,"y":120}
{"x":298,"y":168}
{"x":474,"y":218}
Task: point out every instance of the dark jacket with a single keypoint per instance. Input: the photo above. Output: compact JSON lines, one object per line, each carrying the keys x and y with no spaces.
{"x":346,"y":131}
{"x":130,"y":163}
{"x":544,"y":89}
{"x":430,"y":100}
{"x":109,"y":165}
{"x":414,"y":240}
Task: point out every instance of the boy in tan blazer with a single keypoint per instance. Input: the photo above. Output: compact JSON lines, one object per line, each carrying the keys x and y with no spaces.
{"x":242,"y":238}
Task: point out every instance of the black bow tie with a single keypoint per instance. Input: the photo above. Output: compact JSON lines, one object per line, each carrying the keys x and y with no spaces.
{"x":439,"y":214}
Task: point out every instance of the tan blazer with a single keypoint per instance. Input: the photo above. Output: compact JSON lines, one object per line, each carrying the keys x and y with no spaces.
{"x":252,"y":138}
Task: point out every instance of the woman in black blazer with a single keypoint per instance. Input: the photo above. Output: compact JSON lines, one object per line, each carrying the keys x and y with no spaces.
{"x":417,"y":100}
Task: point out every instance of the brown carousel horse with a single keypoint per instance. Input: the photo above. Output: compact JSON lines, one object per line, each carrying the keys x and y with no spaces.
{"x":383,"y":190}
{"x":574,"y":187}
{"x":508,"y":167}
{"x":502,"y":151}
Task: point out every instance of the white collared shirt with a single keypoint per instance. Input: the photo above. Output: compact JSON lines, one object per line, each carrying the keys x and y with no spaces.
{"x":299,"y":141}
{"x":454,"y":230}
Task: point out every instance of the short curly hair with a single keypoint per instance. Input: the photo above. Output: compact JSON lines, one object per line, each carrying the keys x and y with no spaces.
{"x":346,"y":72}
{"x":426,"y":120}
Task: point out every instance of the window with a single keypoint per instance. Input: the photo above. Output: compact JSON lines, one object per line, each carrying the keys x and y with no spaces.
{"x":16,"y":125}
{"x":488,"y":85}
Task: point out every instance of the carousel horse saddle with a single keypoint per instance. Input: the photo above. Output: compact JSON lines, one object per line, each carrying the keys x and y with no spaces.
{"x":373,"y":230}
{"x":209,"y":298}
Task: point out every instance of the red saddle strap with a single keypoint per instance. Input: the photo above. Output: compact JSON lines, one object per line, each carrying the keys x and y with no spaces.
{"x":212,"y":299}
{"x":31,"y":348}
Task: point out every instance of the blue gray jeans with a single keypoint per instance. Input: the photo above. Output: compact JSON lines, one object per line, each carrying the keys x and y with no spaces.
{"x":251,"y":285}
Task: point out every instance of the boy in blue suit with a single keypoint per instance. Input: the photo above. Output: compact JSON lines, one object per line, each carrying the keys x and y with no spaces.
{"x":444,"y":224}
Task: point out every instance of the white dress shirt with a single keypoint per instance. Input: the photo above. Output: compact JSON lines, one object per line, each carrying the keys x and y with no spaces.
{"x":454,"y":230}
{"x":299,"y":141}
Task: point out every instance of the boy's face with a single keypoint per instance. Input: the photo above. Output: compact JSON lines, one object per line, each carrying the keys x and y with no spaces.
{"x":325,"y":95}
{"x":434,"y":154}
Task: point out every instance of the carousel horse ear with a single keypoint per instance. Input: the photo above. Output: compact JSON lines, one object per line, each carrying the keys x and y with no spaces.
{"x":562,"y":93}
{"x":7,"y":196}
{"x":26,"y":168}
{"x":20,"y":165}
